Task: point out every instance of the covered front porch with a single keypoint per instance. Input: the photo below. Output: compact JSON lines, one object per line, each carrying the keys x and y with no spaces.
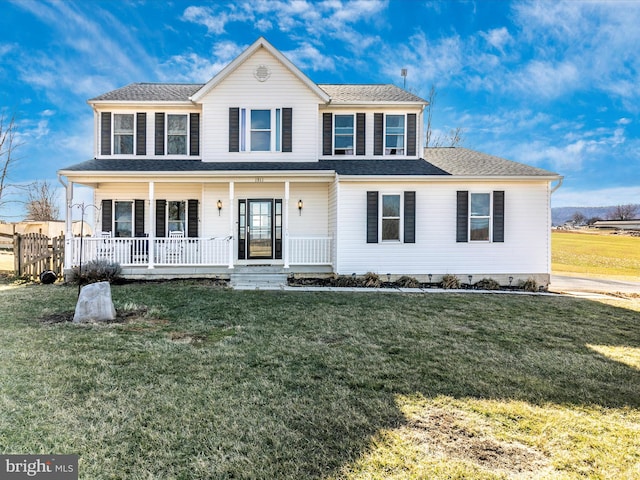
{"x":166,"y":227}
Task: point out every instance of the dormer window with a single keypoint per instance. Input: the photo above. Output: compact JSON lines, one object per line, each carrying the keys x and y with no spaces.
{"x":123,"y":134}
{"x":394,"y":135}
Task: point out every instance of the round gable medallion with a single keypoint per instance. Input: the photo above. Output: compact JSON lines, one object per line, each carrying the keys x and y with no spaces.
{"x":262,"y":73}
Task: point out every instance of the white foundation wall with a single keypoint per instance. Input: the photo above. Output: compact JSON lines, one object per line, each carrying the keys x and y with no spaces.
{"x":241,"y":89}
{"x":525,"y":251}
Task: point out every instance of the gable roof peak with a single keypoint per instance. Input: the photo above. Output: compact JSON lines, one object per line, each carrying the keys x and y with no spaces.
{"x":261,"y":42}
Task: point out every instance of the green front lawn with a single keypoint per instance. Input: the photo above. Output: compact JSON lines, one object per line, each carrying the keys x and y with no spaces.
{"x":201,"y":382}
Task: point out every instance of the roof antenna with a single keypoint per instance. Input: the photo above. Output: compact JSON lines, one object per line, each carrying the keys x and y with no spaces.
{"x":403,"y":74}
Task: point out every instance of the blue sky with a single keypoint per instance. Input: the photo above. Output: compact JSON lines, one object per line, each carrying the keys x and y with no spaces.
{"x":551,"y":84}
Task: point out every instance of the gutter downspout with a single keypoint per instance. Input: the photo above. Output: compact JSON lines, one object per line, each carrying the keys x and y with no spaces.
{"x":68,"y":237}
{"x":559,"y":184}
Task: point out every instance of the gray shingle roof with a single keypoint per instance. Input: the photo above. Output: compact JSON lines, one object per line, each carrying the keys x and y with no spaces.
{"x":368,"y":93}
{"x":342,"y":167}
{"x":438,"y":162}
{"x":151,"y":92}
{"x":470,"y":163}
{"x":172,"y":92}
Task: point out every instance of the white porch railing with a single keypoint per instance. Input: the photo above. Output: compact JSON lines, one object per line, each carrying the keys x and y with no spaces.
{"x":189,"y":251}
{"x":167,"y":251}
{"x":310,"y":250}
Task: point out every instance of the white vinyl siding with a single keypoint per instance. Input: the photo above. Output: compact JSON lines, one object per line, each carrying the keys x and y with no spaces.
{"x":524,"y":251}
{"x":241,"y":89}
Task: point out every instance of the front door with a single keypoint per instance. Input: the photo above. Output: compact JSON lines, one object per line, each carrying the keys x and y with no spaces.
{"x":259,"y":229}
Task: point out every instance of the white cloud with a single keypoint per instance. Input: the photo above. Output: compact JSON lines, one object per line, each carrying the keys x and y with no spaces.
{"x":498,"y":38}
{"x":568,"y":196}
{"x":624,"y":121}
{"x":215,"y":19}
{"x":306,"y":56}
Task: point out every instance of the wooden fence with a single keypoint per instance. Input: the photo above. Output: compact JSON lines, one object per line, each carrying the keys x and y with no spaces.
{"x":35,"y":253}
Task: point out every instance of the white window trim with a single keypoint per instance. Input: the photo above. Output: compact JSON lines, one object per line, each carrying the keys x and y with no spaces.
{"x":186,"y":216}
{"x":490,"y":217}
{"x":166,"y":134}
{"x":133,"y":216}
{"x":333,"y":136}
{"x":384,"y":133}
{"x":275,"y":145}
{"x":113,"y":133}
{"x":400,"y":238}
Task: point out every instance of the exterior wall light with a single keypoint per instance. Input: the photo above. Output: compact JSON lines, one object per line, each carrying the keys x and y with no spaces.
{"x":219,"y":204}
{"x":300,"y":205}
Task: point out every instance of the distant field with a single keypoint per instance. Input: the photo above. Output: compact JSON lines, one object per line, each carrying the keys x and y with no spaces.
{"x":597,"y":255}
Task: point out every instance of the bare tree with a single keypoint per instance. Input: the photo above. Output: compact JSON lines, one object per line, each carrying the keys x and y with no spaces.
{"x":578,"y":218}
{"x":8,"y":144}
{"x":623,"y":212}
{"x":41,"y":202}
{"x":455,"y":136}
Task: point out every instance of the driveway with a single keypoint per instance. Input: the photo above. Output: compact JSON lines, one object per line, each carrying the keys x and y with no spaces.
{"x":561,"y":283}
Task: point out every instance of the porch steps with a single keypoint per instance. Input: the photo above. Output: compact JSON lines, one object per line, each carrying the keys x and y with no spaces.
{"x":258,"y":278}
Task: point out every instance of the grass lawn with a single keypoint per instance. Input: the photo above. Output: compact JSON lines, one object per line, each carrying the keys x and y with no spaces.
{"x":598,"y":255}
{"x":205,"y":383}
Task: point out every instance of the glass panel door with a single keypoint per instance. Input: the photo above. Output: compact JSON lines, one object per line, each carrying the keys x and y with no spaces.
{"x":260,"y":229}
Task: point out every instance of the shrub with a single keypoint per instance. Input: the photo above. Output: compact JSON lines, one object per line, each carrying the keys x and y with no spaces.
{"x":346,"y":281}
{"x":450,"y":281}
{"x":97,"y":271}
{"x":530,"y":285}
{"x":488,"y":284}
{"x":407,"y":282}
{"x":372,"y":280}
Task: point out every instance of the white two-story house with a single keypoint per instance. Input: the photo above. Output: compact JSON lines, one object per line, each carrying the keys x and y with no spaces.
{"x":261,"y":167}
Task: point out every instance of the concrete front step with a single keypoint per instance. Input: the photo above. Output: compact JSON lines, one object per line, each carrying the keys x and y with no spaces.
{"x":258,"y":280}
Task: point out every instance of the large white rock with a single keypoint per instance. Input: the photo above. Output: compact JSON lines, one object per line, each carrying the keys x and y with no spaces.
{"x":95,"y":304}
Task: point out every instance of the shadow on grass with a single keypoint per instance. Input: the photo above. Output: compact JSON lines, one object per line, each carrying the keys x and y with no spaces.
{"x":306,"y":380}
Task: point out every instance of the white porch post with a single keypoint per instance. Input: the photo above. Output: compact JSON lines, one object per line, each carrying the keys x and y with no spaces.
{"x":68,"y":238}
{"x":231,"y":223}
{"x":286,"y":224}
{"x":152,"y":225}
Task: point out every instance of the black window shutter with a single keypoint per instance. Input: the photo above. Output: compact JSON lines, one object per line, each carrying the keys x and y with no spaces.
{"x":462,"y":217}
{"x":107,"y":215}
{"x":411,"y":134}
{"x":159,"y":140}
{"x":138,"y":220}
{"x":498,"y":216}
{"x":360,"y":134}
{"x":372,"y":217}
{"x":192,"y":218}
{"x":327,"y":133}
{"x":161,"y":215}
{"x":378,"y":133}
{"x":409,"y":217}
{"x":105,"y":133}
{"x":234,"y":129}
{"x":287,"y":129}
{"x":141,"y":133}
{"x":194,"y":130}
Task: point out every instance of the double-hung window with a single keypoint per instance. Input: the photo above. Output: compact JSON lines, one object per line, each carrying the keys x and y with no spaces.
{"x":123,"y":133}
{"x":177,"y":132}
{"x":260,"y":130}
{"x":394,"y":135}
{"x":343,"y":135}
{"x":390,"y":217}
{"x":480,"y":217}
{"x":176,"y":217}
{"x":123,"y":219}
